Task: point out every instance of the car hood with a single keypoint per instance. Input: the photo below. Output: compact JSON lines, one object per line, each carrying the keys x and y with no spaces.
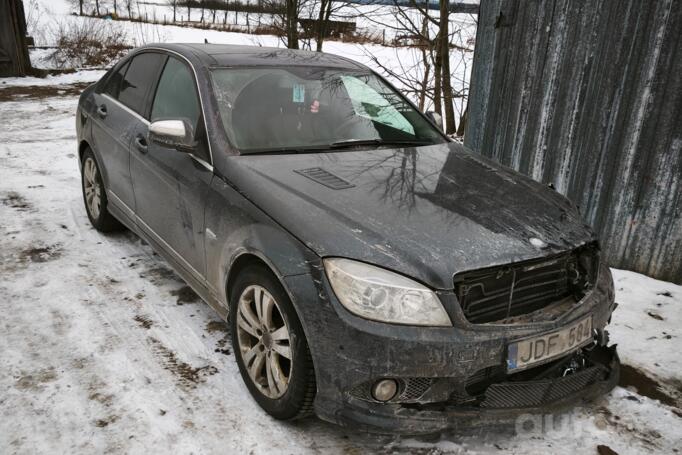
{"x":427,"y":212}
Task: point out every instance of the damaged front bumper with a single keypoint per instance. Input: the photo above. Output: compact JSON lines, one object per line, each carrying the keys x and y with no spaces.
{"x":501,"y":403}
{"x":447,"y":377}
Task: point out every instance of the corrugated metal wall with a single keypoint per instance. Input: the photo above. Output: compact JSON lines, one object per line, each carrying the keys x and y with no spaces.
{"x":587,"y":95}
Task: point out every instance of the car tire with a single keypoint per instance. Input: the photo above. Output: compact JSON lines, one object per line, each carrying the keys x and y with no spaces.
{"x":258,"y":340}
{"x":95,"y":197}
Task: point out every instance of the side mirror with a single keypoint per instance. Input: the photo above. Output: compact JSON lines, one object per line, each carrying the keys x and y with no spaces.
{"x":176,"y":134}
{"x":436,"y":118}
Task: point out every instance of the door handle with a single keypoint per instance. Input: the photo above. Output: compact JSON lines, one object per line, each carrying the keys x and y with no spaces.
{"x":102,"y":110}
{"x":141,"y":144}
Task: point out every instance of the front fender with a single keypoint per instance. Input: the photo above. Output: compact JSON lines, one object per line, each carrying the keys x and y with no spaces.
{"x":235,"y":227}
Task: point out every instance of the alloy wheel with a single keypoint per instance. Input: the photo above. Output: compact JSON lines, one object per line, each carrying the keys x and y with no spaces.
{"x":92,"y":188}
{"x":264,"y":342}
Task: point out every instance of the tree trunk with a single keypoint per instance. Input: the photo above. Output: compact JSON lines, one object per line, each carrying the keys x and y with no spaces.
{"x":450,"y":126}
{"x":427,"y":67}
{"x":463,"y":122}
{"x":425,"y":81}
{"x":80,"y":4}
{"x":97,"y":6}
{"x":437,"y":71}
{"x":292,"y":23}
{"x":323,"y":22}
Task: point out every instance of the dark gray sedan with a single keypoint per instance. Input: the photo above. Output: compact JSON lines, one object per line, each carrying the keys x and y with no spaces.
{"x":371,"y":270}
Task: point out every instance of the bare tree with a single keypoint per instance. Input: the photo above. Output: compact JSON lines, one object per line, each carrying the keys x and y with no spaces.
{"x":323,"y":22}
{"x":174,"y":5}
{"x":291,"y":22}
{"x":444,"y":47}
{"x":35,"y":26}
{"x":326,"y":10}
{"x":75,"y":3}
{"x":286,"y":15}
{"x":129,"y":6}
{"x":428,"y":35}
{"x":87,"y":43}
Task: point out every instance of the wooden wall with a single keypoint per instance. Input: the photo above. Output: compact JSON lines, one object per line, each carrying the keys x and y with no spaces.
{"x":14,"y":60}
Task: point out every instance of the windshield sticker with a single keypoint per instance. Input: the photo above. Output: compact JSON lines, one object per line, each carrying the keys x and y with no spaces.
{"x":299,"y":93}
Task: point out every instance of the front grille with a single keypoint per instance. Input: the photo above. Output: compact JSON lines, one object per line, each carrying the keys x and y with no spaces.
{"x":540,"y":392}
{"x":497,"y":293}
{"x":480,"y":380}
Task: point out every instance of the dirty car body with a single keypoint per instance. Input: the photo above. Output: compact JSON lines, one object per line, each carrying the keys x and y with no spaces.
{"x":507,"y":263}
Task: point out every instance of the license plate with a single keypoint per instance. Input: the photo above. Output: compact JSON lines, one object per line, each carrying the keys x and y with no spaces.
{"x":525,"y":353}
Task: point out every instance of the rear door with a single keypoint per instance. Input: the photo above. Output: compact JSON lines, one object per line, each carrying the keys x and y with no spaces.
{"x":120,"y":110}
{"x":112,"y":130}
{"x":170,"y":186}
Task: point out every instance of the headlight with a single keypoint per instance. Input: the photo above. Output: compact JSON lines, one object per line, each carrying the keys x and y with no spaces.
{"x":380,"y":295}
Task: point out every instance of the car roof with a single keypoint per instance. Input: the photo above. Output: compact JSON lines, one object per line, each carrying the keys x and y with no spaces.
{"x":216,"y":55}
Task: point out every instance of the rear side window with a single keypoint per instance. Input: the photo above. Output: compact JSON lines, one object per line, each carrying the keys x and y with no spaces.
{"x":176,"y":95}
{"x":114,"y":83}
{"x":141,"y":75}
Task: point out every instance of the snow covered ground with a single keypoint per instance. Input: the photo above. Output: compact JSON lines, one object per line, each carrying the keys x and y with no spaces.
{"x":104,"y":349}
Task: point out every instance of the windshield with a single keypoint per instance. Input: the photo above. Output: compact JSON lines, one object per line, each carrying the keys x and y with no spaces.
{"x":298,"y":108}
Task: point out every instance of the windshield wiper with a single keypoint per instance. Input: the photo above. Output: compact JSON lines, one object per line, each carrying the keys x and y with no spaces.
{"x":284,"y":150}
{"x":376,"y":142}
{"x":335,"y":145}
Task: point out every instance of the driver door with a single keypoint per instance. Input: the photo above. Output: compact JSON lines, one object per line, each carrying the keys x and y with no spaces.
{"x":170,"y":186}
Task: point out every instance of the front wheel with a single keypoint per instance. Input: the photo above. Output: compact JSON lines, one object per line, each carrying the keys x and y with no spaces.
{"x":95,"y":197}
{"x":270,"y":347}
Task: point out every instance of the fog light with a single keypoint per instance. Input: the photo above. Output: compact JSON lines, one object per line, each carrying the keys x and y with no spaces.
{"x":384,"y":389}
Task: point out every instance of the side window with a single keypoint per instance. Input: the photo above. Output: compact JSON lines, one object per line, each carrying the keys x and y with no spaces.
{"x":114,"y":83}
{"x":141,"y":75}
{"x":176,"y":96}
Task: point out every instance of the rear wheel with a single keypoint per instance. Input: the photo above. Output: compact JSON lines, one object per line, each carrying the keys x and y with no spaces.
{"x":95,"y":197}
{"x":269,"y":345}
